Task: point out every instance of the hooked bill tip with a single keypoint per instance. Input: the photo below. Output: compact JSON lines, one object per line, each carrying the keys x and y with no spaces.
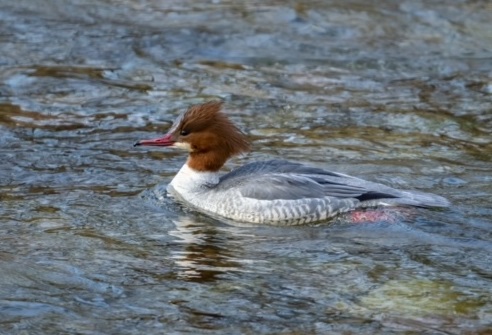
{"x":136,"y":144}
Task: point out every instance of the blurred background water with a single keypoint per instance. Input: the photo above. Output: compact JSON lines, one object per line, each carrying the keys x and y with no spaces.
{"x":394,"y":92}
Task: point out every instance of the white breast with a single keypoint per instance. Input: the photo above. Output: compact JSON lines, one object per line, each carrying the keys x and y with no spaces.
{"x":189,"y":182}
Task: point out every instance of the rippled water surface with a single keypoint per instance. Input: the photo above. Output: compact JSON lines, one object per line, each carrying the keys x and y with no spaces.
{"x":398,"y":92}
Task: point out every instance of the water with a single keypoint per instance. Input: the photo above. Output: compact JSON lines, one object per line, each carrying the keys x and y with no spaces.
{"x":398,"y":93}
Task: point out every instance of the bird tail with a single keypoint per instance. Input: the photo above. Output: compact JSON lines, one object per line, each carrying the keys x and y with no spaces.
{"x":423,"y":199}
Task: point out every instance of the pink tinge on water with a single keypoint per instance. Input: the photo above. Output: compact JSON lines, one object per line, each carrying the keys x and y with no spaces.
{"x":380,"y":215}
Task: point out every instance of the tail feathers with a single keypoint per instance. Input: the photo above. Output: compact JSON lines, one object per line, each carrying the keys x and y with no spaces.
{"x":409,"y":198}
{"x":422,"y":199}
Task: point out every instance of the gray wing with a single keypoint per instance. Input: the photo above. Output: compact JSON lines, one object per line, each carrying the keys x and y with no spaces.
{"x":292,"y":187}
{"x":279,"y":179}
{"x":275,"y":166}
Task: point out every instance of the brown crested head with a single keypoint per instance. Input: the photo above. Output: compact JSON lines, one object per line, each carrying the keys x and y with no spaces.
{"x":209,"y":136}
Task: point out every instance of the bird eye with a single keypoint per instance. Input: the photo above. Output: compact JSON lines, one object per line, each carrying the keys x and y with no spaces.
{"x":184,"y":132}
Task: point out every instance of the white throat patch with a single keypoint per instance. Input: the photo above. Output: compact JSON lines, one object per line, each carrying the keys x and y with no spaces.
{"x":183,"y":145}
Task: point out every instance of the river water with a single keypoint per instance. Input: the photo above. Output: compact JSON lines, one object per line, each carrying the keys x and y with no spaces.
{"x":398,"y":92}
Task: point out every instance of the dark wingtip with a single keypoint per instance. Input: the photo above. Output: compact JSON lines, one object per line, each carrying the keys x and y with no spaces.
{"x":136,"y":144}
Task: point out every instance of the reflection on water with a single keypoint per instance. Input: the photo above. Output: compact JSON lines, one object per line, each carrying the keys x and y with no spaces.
{"x":397,"y":93}
{"x":205,"y":255}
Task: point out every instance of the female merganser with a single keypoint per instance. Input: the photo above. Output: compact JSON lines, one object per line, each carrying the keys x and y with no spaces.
{"x":274,"y":191}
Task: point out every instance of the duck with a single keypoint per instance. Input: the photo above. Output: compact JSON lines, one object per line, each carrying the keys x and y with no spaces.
{"x":274,"y":191}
